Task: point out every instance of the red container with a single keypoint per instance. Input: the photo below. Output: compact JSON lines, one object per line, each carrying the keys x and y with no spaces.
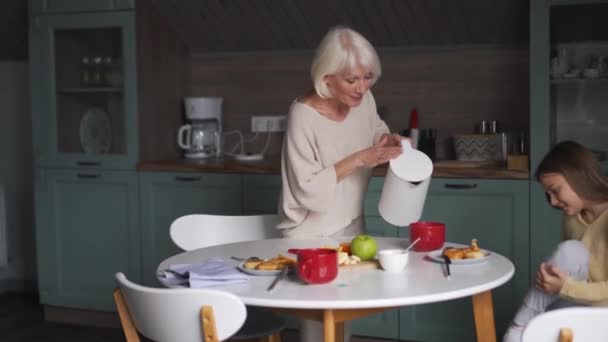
{"x":317,"y":265}
{"x":431,"y":234}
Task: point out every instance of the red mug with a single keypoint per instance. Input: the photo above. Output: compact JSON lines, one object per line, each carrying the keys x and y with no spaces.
{"x":317,"y":265}
{"x":431,"y":234}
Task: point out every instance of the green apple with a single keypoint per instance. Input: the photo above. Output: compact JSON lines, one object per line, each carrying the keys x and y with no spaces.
{"x":364,"y":246}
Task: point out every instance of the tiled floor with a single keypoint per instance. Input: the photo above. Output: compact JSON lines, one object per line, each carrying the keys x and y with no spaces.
{"x":21,"y":320}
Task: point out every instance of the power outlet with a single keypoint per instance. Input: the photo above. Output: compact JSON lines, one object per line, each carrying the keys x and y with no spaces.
{"x":274,"y":123}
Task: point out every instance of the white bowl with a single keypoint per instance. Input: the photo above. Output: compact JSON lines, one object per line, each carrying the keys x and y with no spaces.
{"x":393,"y":260}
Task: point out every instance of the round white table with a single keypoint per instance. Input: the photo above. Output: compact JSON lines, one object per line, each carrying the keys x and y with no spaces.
{"x":356,"y":292}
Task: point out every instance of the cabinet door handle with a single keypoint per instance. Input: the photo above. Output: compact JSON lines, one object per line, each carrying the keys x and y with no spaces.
{"x":460,"y":186}
{"x":187,"y":179}
{"x":88,"y":163}
{"x":89,"y":175}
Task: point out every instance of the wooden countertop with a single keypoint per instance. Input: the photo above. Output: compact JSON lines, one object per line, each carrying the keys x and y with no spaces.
{"x":273,"y":166}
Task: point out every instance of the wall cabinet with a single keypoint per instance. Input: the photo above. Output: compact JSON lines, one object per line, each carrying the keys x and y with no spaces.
{"x":166,"y":196}
{"x":87,"y":229}
{"x":79,"y":118}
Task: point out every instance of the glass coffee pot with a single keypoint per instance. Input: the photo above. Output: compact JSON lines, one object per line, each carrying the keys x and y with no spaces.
{"x":200,"y":139}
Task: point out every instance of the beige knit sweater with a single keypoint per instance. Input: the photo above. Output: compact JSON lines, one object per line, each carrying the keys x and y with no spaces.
{"x":313,"y":203}
{"x":595,"y":237}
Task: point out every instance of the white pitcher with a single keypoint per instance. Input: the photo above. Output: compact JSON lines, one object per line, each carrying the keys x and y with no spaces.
{"x":405,"y":186}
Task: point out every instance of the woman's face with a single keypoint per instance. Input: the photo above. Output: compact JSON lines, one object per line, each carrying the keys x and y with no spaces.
{"x":560,"y":194}
{"x":348,"y":88}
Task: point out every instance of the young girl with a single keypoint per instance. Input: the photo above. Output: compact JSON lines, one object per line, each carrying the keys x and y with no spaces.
{"x":577,"y":273}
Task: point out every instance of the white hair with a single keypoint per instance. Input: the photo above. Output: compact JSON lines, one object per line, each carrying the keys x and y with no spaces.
{"x":340,"y":51}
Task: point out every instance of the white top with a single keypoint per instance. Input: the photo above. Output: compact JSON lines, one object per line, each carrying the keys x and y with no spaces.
{"x":313,"y":204}
{"x":422,"y":281}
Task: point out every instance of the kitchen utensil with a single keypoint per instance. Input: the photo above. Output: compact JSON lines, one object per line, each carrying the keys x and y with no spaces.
{"x":203,"y":137}
{"x":447,"y":261}
{"x":431,"y":235}
{"x":276,"y":280}
{"x":393,"y":260}
{"x":316,"y":265}
{"x":412,"y":244}
{"x":405,"y":186}
{"x":245,"y":259}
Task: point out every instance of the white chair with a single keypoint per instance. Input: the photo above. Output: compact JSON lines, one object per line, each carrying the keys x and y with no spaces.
{"x":588,"y":324}
{"x":197,"y":231}
{"x":169,"y":315}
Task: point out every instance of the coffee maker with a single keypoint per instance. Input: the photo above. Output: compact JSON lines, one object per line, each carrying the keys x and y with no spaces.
{"x":201,"y":138}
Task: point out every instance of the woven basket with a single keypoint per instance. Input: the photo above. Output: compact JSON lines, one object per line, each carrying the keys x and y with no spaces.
{"x":478,"y":147}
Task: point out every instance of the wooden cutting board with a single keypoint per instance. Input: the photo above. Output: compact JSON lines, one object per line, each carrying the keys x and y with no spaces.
{"x":363,"y":265}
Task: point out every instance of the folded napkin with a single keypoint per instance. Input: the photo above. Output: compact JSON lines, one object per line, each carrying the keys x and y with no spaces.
{"x":211,"y":272}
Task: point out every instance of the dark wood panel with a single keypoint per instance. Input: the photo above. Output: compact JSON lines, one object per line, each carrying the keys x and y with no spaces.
{"x":244,"y":25}
{"x":163,"y":81}
{"x":453,"y":88}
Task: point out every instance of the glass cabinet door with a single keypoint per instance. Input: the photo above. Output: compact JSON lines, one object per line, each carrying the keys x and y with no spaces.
{"x":579,"y":76}
{"x":84,"y":90}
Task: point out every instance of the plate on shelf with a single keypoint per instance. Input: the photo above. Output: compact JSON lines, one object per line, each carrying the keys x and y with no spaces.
{"x":437,"y":257}
{"x":95,"y":131}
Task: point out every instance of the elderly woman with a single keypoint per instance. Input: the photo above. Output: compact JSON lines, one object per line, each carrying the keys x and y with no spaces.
{"x":334,"y":138}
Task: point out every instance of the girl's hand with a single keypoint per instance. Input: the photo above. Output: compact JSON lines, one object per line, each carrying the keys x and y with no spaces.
{"x":550,"y":279}
{"x":380,"y":153}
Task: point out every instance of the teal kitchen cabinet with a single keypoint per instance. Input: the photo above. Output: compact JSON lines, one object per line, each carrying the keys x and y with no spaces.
{"x":496,"y":213}
{"x":73,"y":6}
{"x":166,"y":196}
{"x":84,"y":90}
{"x":261,"y":194}
{"x":86,"y":230}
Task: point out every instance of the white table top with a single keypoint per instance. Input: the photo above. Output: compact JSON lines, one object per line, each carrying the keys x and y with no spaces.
{"x":423,"y":280}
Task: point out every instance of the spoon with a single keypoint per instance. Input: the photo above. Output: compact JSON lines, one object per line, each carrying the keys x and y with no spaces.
{"x":412,"y":244}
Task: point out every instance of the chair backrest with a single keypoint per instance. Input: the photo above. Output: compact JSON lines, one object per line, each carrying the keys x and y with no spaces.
{"x":197,"y":231}
{"x":587,"y":324}
{"x":168,"y":315}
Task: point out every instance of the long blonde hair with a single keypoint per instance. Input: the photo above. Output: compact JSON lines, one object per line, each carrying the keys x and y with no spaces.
{"x":579,"y":167}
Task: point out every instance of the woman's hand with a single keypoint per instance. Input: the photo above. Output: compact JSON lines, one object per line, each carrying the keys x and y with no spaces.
{"x":393,"y":139}
{"x":550,"y":279}
{"x":387,"y":148}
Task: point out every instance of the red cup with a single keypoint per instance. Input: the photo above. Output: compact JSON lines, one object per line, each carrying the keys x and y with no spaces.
{"x":431,"y":234}
{"x":317,"y":265}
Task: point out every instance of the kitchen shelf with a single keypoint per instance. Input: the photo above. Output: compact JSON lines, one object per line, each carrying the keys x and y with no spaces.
{"x":578,"y":80}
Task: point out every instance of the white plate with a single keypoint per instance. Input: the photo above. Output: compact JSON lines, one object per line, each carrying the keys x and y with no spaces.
{"x":251,"y":271}
{"x":95,"y":131}
{"x":436,"y":256}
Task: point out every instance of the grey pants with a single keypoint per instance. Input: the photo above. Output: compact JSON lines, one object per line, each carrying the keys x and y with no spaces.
{"x":571,"y":257}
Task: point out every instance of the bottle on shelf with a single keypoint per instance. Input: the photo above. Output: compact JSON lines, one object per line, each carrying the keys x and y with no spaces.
{"x":97,"y":72}
{"x":85,"y":72}
{"x":414,"y":130}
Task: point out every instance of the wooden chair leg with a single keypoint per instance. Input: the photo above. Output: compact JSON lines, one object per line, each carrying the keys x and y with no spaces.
{"x":208,"y":324}
{"x":125,"y":317}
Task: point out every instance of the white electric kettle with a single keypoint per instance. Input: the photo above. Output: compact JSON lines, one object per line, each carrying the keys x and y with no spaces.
{"x":405,"y":186}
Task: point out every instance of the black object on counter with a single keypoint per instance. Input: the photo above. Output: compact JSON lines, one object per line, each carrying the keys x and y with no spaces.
{"x":426,"y":144}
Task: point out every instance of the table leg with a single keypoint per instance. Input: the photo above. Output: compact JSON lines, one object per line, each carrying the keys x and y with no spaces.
{"x":329,"y":326}
{"x":340,"y":332}
{"x":483,"y":310}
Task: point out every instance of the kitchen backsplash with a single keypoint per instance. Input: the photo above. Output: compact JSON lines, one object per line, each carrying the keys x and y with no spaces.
{"x":453,"y":88}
